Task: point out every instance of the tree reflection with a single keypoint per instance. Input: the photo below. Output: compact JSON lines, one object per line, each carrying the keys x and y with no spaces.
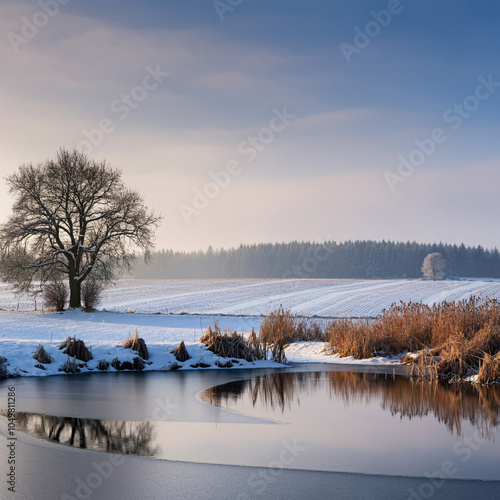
{"x":113,"y":436}
{"x":451,"y":404}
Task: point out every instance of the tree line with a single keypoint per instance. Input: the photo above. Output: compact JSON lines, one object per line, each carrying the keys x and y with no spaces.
{"x":349,"y":259}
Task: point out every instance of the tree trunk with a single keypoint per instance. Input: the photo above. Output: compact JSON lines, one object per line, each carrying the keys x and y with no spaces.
{"x":75,"y":293}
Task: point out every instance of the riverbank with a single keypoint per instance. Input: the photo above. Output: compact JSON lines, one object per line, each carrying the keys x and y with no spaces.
{"x":22,"y":332}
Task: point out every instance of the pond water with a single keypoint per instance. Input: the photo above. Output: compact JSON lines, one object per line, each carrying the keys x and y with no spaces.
{"x":325,"y":420}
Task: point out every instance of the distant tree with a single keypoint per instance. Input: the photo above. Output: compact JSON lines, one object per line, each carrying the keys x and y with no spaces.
{"x":433,"y":266}
{"x":72,"y":218}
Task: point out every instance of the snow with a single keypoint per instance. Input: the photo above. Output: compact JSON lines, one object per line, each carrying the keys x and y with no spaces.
{"x":253,"y":297}
{"x":166,"y":312}
{"x":20,"y":354}
{"x":317,"y":352}
{"x":21,"y":332}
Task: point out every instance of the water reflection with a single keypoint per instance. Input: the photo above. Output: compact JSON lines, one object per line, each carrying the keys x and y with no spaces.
{"x":450,"y":404}
{"x":112,"y":436}
{"x":343,"y":422}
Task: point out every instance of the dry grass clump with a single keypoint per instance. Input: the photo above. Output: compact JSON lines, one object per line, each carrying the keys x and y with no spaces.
{"x":278,"y":329}
{"x":221,"y":364}
{"x":254,"y":344}
{"x":136,"y":364}
{"x":76,"y":348}
{"x":70,"y":366}
{"x":42,"y":356}
{"x":102,"y":365}
{"x":180,"y":352}
{"x":136,"y":344}
{"x":227,"y":345}
{"x":201,"y":364}
{"x":423,"y":364}
{"x":127,"y":343}
{"x":171,"y":367}
{"x":489,"y":370}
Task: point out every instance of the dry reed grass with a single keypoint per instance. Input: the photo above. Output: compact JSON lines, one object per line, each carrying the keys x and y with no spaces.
{"x":222,"y":364}
{"x":42,"y":356}
{"x":136,"y":344}
{"x":201,"y":363}
{"x":136,"y":364}
{"x":70,"y":366}
{"x":489,"y":370}
{"x":227,"y":345}
{"x":76,"y":348}
{"x":280,"y":328}
{"x":102,"y":365}
{"x":455,"y":336}
{"x":170,"y":368}
{"x":181,"y":353}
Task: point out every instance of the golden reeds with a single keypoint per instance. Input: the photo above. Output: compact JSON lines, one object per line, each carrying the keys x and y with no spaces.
{"x":180,"y":352}
{"x":457,"y":334}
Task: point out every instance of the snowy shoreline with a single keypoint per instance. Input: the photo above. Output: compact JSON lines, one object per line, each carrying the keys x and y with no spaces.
{"x":166,"y":312}
{"x":22,"y":332}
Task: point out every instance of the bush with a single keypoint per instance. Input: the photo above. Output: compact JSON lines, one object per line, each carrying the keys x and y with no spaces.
{"x":91,"y":293}
{"x":55,"y":296}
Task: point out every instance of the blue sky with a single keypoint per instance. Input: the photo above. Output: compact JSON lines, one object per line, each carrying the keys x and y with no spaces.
{"x":329,"y":170}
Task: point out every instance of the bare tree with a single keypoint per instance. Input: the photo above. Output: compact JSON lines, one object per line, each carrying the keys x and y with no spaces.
{"x":433,"y":266}
{"x":72,"y":218}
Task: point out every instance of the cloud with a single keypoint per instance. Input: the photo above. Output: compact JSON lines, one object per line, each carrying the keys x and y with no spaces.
{"x":337,"y":117}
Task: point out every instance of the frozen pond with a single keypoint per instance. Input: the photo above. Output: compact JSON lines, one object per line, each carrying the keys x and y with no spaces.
{"x":316,"y":429}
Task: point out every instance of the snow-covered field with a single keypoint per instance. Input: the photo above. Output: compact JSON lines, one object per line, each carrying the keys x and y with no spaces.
{"x":253,"y":297}
{"x":168,"y":311}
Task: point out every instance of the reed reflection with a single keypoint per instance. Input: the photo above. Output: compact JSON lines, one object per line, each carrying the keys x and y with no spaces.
{"x":451,"y":404}
{"x":113,"y":436}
